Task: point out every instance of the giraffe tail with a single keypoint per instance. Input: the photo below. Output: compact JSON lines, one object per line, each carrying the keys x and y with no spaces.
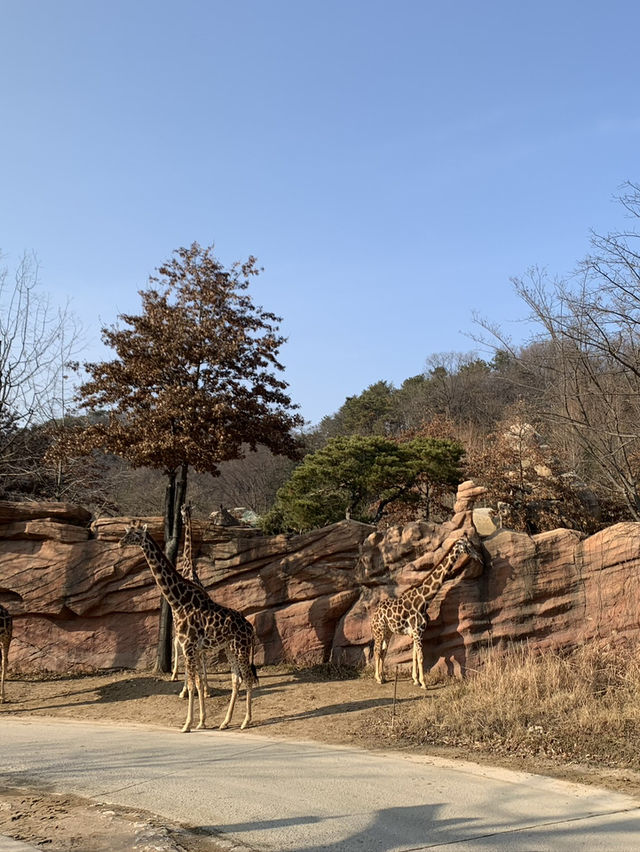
{"x":254,"y":670}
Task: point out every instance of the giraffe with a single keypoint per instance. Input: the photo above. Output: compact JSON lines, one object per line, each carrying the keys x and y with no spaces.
{"x":187,"y":568}
{"x":408,"y":613}
{"x":6,"y":630}
{"x":201,"y":624}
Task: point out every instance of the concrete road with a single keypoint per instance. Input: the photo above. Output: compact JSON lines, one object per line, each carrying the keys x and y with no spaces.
{"x":266,"y":794}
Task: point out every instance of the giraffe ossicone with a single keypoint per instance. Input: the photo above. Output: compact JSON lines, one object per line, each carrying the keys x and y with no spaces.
{"x":201,"y":624}
{"x":407,"y":614}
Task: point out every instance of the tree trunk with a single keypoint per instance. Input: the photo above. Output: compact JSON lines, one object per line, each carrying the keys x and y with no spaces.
{"x":174,"y":497}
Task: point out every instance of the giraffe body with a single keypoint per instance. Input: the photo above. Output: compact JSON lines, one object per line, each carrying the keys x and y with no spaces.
{"x":407,"y":614}
{"x":201,"y":625}
{"x":187,"y":568}
{"x":6,"y":632}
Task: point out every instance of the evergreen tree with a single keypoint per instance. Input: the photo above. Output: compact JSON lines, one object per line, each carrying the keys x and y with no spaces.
{"x":358,"y":477}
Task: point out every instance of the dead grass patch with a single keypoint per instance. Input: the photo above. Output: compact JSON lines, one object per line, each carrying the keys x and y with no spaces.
{"x":582,"y":706}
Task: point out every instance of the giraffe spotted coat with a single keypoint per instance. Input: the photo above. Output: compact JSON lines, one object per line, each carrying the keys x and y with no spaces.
{"x":187,"y":568}
{"x":407,"y":614}
{"x":201,"y":624}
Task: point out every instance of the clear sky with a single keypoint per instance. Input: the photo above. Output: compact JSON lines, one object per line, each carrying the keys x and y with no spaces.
{"x":391,"y":164}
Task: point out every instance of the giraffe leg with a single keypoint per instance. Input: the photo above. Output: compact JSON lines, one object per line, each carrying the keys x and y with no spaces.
{"x":206,"y":693}
{"x":205,"y":680}
{"x":380,"y":652}
{"x":193,"y":681}
{"x":5,"y":654}
{"x":247,"y":717}
{"x":250,"y":679}
{"x":418,"y":662}
{"x":187,"y":722}
{"x":185,"y":688}
{"x":200,"y":684}
{"x":242,"y":671}
{"x":235,"y":682}
{"x":174,"y":672}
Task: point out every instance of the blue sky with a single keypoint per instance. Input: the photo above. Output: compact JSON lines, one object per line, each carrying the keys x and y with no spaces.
{"x":391,"y":165}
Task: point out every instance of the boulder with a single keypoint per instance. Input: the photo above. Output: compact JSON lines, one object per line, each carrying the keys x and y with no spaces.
{"x":69,"y":513}
{"x":43,"y":529}
{"x":484,"y":521}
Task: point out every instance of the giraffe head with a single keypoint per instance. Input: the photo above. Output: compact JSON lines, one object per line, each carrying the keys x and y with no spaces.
{"x":462,"y":548}
{"x":134,"y":534}
{"x":185,"y":512}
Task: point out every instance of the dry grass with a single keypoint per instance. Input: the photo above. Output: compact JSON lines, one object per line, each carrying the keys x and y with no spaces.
{"x":583,"y":706}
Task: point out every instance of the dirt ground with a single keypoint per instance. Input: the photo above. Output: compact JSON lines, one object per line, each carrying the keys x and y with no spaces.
{"x":301,"y":705}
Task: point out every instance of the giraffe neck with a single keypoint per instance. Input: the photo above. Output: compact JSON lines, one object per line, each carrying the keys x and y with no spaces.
{"x":423,"y":593}
{"x":168,"y":579}
{"x":187,"y":552}
{"x":432,"y":583}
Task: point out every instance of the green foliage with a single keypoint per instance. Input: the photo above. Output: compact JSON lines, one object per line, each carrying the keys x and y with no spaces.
{"x":372,"y":412}
{"x":458,"y":387}
{"x":358,"y":477}
{"x":437,"y":459}
{"x":272,"y":522}
{"x":369,"y":413}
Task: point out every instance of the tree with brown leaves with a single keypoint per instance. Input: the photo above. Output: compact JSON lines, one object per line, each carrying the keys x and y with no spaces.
{"x":194,"y":383}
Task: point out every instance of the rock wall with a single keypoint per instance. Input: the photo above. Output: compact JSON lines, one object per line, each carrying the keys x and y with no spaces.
{"x":80,"y":602}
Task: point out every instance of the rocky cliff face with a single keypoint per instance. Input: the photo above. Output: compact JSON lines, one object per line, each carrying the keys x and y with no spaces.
{"x":80,"y":602}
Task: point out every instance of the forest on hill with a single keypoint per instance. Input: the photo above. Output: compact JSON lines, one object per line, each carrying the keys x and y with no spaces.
{"x":550,"y":426}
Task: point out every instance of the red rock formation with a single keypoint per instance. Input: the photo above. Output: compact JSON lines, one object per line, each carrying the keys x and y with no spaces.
{"x":80,"y":602}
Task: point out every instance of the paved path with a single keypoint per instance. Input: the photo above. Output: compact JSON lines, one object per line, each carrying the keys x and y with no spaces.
{"x":9,"y":845}
{"x":296,"y":797}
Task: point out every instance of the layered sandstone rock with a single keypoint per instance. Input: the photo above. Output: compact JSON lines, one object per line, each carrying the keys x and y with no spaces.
{"x":80,"y":602}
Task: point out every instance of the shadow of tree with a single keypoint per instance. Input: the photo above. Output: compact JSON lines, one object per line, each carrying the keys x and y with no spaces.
{"x":421,"y":827}
{"x":337,"y":709}
{"x":421,"y":823}
{"x":126,"y":690}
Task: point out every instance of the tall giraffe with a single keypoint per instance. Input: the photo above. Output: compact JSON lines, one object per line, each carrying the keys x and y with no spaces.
{"x":187,"y":568}
{"x":201,"y":624}
{"x":6,"y":631}
{"x":407,"y":614}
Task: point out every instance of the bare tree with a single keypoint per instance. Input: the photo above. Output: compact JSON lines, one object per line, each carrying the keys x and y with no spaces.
{"x":586,"y":358}
{"x":250,"y":482}
{"x":37,"y":343}
{"x":464,"y":388}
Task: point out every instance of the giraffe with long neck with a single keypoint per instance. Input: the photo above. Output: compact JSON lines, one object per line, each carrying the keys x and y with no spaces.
{"x":201,"y":624}
{"x":187,"y":568}
{"x":6,"y":632}
{"x":407,"y":614}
